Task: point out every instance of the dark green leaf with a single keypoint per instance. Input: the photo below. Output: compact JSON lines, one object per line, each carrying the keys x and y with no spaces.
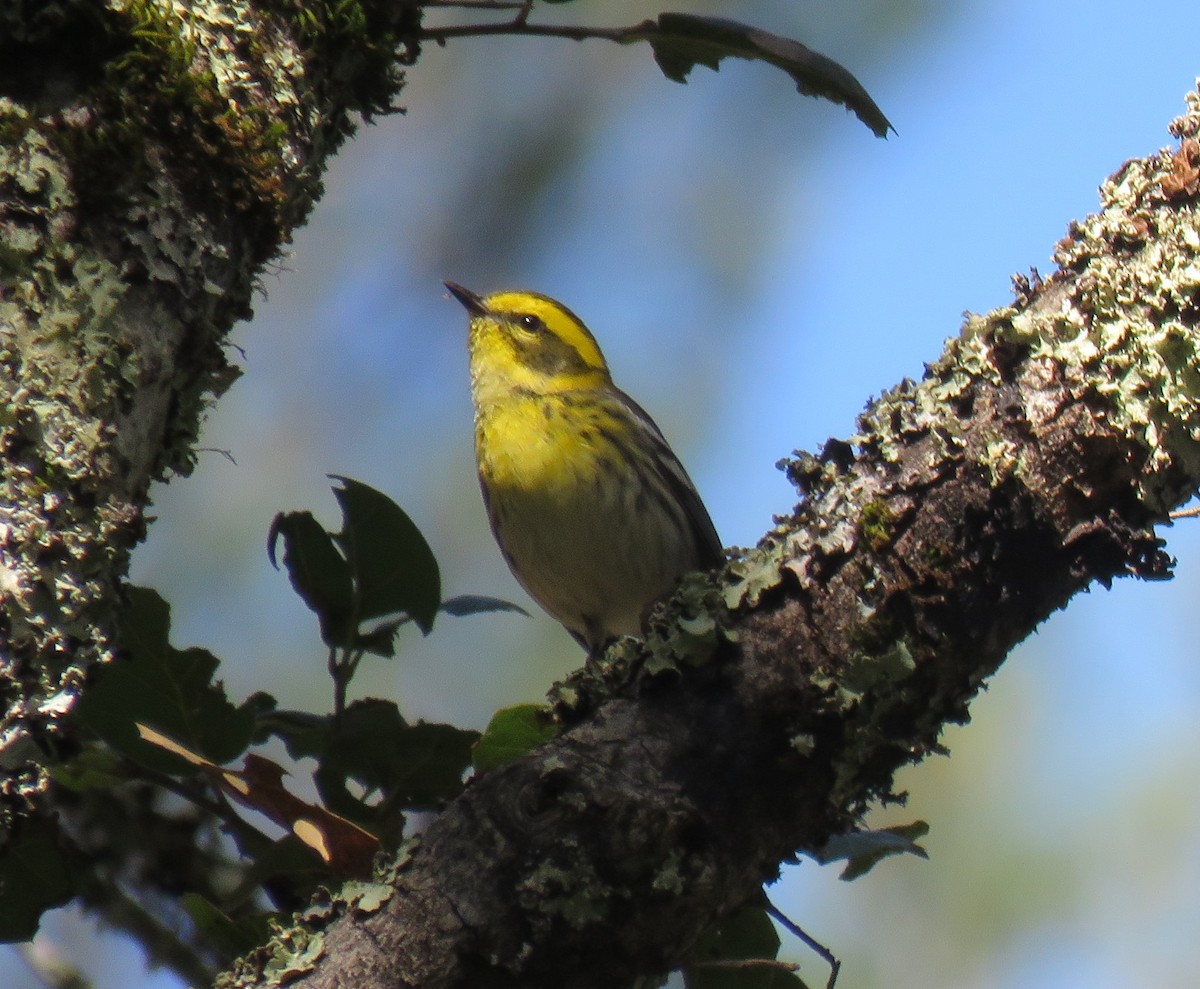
{"x":303,"y":734}
{"x":381,"y":640}
{"x":288,"y":868}
{"x":94,"y":767}
{"x":228,"y":935}
{"x":748,"y":934}
{"x":35,"y":875}
{"x":393,"y":567}
{"x":862,"y":850}
{"x":362,"y":743}
{"x":511,"y":733}
{"x":399,"y":765}
{"x":474,"y":604}
{"x":168,"y":689}
{"x":683,"y":41}
{"x":433,"y":759}
{"x":318,"y":572}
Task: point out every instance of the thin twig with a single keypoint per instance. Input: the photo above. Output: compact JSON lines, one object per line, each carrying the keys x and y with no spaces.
{"x":814,"y":945}
{"x":746,"y":963}
{"x":1186,"y":513}
{"x":215,"y":449}
{"x":339,"y":683}
{"x":621,"y":35}
{"x":478,"y":4}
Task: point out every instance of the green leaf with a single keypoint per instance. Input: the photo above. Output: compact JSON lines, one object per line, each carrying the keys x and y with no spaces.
{"x":381,"y":640}
{"x":230,"y":936}
{"x":474,"y":604}
{"x":303,"y":733}
{"x":169,"y":689}
{"x":398,"y":764}
{"x":683,"y":41}
{"x":433,"y":758}
{"x":862,"y":850}
{"x":287,"y":864}
{"x":360,"y":746}
{"x":511,"y":733}
{"x":95,"y":767}
{"x":35,"y":875}
{"x":318,"y":572}
{"x":393,"y":568}
{"x":747,"y":934}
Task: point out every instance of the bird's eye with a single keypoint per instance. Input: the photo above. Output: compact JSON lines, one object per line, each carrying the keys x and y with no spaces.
{"x":531,"y":323}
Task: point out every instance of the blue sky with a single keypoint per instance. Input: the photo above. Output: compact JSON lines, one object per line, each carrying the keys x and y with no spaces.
{"x":757,"y":266}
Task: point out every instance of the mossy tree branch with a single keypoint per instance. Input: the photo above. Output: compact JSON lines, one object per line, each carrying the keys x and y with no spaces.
{"x":1035,"y":458}
{"x":152,"y":158}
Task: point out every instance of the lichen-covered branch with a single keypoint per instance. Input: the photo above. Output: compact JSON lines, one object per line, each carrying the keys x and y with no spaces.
{"x":768,"y":707}
{"x":153,"y":156}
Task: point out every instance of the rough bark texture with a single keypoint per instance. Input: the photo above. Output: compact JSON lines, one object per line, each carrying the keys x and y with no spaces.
{"x":152,"y":158}
{"x":1034,"y":458}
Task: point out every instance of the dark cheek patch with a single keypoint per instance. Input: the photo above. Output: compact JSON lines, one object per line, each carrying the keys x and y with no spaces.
{"x":548,"y":354}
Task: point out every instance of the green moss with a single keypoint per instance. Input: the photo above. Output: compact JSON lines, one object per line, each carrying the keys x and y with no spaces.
{"x":365,"y":43}
{"x":225,"y":155}
{"x":877,"y":526}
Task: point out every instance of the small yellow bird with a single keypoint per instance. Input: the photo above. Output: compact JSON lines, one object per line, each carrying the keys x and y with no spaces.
{"x":593,"y":511}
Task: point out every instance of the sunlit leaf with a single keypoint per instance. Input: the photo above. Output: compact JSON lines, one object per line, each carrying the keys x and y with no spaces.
{"x":345,"y":847}
{"x":511,"y":733}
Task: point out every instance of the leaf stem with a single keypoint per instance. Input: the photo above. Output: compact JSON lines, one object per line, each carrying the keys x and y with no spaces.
{"x":343,"y":664}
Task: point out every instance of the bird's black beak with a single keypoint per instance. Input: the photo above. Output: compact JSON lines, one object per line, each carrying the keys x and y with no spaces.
{"x":471,"y":302}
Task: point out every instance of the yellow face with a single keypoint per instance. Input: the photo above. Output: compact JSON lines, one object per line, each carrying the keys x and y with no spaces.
{"x":522,"y":341}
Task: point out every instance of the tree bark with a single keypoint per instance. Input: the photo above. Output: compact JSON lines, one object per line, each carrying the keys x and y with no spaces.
{"x":152,"y":159}
{"x":768,"y":708}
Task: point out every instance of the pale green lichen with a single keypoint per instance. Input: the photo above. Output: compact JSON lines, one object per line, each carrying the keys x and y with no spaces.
{"x":669,"y":877}
{"x":576,"y":894}
{"x":804,"y":744}
{"x":1123,"y":338}
{"x":296,"y":948}
{"x":365,"y":898}
{"x":292,"y":956}
{"x":1001,"y":460}
{"x":58,"y":340}
{"x":88,"y":340}
{"x":134,"y":213}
